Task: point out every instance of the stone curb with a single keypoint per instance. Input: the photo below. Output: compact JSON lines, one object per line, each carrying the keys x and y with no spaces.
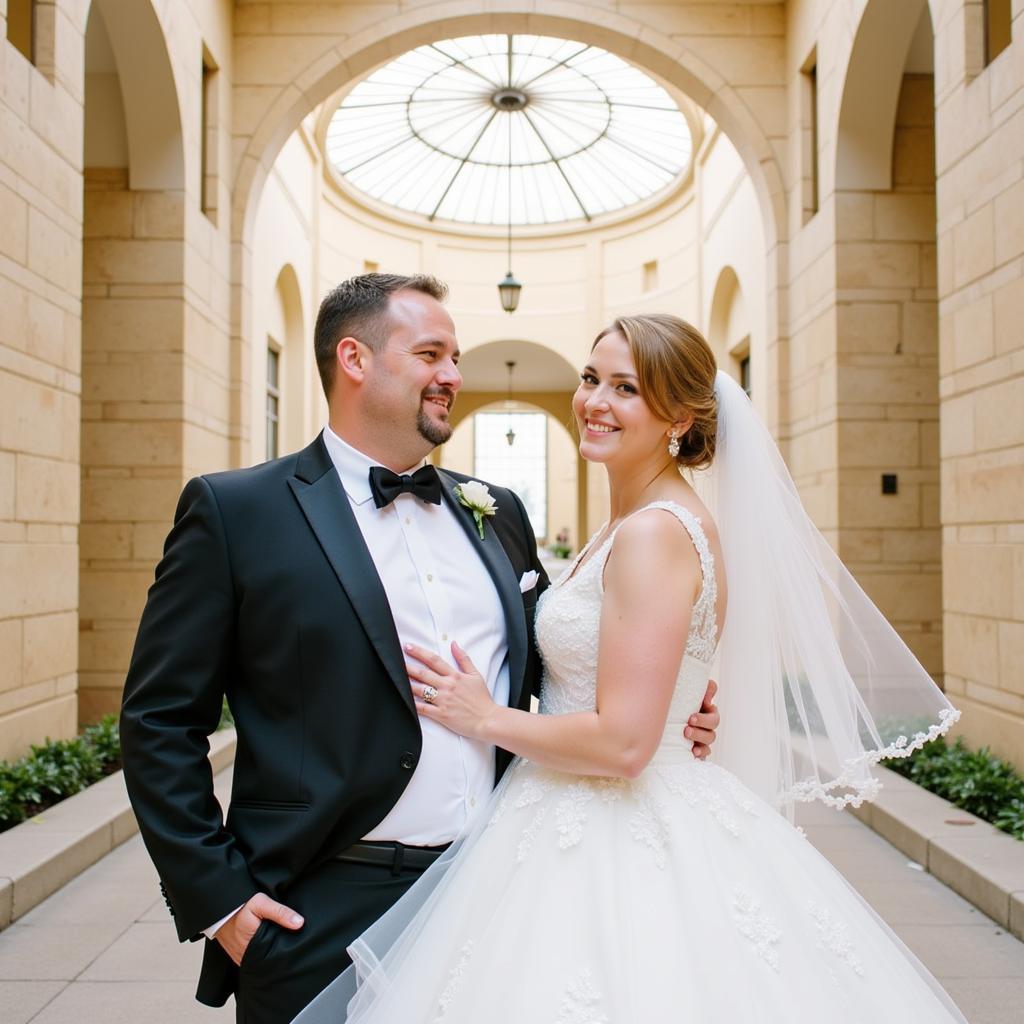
{"x":972,"y":857}
{"x":40,"y":855}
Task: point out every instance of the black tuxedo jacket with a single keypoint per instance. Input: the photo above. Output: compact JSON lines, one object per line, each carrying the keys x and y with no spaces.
{"x":267,"y":593}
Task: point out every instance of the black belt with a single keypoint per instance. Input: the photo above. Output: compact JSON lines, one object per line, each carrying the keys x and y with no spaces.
{"x":396,"y":856}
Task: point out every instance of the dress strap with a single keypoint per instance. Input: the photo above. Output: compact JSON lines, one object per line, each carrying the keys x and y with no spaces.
{"x":703,"y":638}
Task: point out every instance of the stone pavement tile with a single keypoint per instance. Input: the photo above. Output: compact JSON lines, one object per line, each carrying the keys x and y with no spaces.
{"x":38,"y":873}
{"x":816,"y":815}
{"x":985,"y":868}
{"x":129,"y":860}
{"x":975,"y":951}
{"x":863,"y":856}
{"x":157,"y":912}
{"x":983,"y":1002}
{"x":22,"y":1000}
{"x":118,"y":889}
{"x":52,"y":952}
{"x":128,"y":1002}
{"x":918,"y":901}
{"x":147,"y":952}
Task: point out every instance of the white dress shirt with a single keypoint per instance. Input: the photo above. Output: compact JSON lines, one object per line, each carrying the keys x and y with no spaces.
{"x":439,"y":590}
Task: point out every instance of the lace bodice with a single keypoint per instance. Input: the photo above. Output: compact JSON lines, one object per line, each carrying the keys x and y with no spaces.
{"x":568,"y":625}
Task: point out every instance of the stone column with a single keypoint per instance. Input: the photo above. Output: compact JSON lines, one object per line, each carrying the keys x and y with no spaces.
{"x":887,"y":383}
{"x":132,"y":378}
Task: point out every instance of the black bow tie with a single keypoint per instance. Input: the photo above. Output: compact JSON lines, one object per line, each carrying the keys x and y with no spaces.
{"x":385,"y":486}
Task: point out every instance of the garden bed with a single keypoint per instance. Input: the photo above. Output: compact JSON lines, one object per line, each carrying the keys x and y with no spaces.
{"x":57,"y":769}
{"x":973,"y":780}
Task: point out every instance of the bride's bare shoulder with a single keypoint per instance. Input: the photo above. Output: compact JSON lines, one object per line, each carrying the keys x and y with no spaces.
{"x":648,"y":542}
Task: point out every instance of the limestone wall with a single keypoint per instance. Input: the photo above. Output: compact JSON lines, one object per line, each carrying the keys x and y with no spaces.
{"x":888,"y":397}
{"x":980,"y":198}
{"x":132,"y":405}
{"x":40,"y":382}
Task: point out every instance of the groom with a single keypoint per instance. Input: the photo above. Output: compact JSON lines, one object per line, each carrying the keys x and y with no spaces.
{"x":289,"y":588}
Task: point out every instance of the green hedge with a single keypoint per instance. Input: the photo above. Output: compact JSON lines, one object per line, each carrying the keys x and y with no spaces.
{"x":57,"y":769}
{"x":972,"y":779}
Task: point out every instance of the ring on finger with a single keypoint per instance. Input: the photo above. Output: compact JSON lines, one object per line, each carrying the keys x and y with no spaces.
{"x":430,"y":694}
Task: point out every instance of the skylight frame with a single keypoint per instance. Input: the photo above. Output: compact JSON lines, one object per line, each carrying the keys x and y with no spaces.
{"x":422,"y":136}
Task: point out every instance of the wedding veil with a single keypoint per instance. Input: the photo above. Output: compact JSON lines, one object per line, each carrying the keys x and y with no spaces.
{"x":815,"y":686}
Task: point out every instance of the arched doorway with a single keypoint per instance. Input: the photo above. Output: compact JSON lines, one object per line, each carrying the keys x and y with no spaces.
{"x":282,"y":372}
{"x":543,"y":381}
{"x":887,"y":405}
{"x":133,"y":330}
{"x":729,"y":329}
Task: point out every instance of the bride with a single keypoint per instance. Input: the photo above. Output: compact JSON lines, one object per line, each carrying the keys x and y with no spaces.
{"x":614,"y":879}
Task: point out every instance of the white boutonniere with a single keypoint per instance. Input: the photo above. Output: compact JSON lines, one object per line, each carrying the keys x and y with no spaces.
{"x":475,"y":496}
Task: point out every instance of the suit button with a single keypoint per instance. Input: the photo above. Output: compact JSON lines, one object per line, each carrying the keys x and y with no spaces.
{"x":408,"y":761}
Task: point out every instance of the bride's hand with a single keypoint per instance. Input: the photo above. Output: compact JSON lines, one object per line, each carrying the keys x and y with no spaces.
{"x":458,"y":698}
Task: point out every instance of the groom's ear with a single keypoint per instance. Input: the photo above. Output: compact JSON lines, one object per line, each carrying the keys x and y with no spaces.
{"x":351,"y":359}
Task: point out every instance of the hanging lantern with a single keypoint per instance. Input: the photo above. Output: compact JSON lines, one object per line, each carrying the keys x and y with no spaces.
{"x":509,"y":290}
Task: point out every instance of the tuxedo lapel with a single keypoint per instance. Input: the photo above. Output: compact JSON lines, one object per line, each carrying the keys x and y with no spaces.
{"x":495,"y":559}
{"x":325,"y":505}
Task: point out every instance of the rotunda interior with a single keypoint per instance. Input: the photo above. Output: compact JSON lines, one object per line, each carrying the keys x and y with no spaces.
{"x":831,"y":192}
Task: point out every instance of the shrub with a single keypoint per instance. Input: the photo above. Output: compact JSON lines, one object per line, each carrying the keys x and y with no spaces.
{"x":57,"y":769}
{"x":972,"y":779}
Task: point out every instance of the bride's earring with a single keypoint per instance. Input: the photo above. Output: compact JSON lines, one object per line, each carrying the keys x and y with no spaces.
{"x":673,"y":445}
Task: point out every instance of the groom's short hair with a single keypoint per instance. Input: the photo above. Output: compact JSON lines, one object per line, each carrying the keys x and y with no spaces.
{"x":358,"y":308}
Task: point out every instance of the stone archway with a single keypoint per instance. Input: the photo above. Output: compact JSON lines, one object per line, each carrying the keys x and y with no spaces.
{"x":544,"y":381}
{"x":729,"y":327}
{"x":133,"y":334}
{"x":887,"y":349}
{"x":288,"y":382}
{"x":287,"y":60}
{"x":871,"y":92}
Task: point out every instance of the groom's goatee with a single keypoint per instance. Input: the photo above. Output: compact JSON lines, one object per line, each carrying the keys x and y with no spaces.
{"x":429,"y":429}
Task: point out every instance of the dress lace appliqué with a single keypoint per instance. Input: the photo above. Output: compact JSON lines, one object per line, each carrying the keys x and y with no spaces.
{"x":455,"y":979}
{"x":696,"y":784}
{"x":571,"y":814}
{"x":568,"y":809}
{"x":649,"y":824}
{"x":835,"y":937}
{"x":580,"y":1005}
{"x":760,"y":928}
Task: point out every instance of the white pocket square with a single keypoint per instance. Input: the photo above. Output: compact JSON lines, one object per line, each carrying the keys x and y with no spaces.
{"x":528,"y":581}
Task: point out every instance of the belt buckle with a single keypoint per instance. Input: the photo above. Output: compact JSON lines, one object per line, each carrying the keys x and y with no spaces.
{"x":398,"y":860}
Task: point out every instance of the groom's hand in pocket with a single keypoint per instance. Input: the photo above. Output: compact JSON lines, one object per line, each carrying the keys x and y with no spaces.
{"x":236,"y":932}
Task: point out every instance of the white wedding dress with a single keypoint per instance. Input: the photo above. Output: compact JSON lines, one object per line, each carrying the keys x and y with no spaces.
{"x":677,"y":896}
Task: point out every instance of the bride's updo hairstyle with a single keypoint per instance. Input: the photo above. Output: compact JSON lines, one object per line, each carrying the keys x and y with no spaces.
{"x":677,"y":371}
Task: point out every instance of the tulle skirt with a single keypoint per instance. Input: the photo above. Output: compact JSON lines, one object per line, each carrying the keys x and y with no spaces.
{"x":678,"y":896}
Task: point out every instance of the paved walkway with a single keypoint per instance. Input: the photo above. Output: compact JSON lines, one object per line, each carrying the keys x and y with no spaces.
{"x":103,"y":951}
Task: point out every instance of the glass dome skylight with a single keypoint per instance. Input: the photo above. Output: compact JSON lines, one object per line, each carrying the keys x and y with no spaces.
{"x":431,"y":132}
